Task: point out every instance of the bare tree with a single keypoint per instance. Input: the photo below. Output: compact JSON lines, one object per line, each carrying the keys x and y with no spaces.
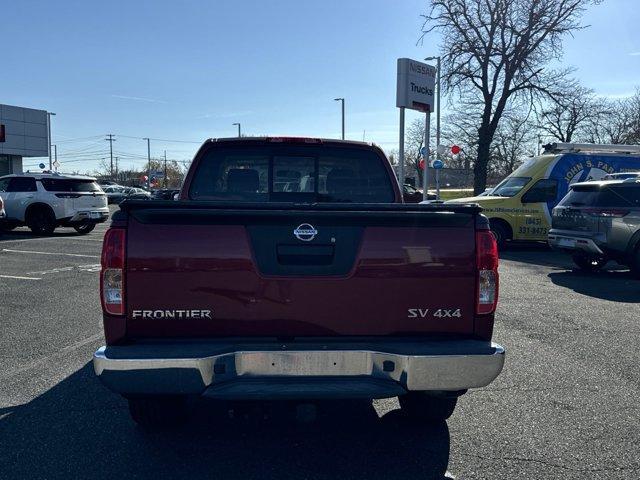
{"x":461,"y":128}
{"x":514,"y":141}
{"x":615,"y":121}
{"x":564,"y":114}
{"x":495,"y":50}
{"x":633,"y":118}
{"x":414,"y":142}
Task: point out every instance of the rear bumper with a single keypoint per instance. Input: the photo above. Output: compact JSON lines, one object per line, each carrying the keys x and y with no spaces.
{"x":89,"y":216}
{"x":245,"y":371}
{"x":568,"y":240}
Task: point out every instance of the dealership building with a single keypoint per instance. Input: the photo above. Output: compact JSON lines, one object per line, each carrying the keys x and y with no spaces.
{"x":24,"y":132}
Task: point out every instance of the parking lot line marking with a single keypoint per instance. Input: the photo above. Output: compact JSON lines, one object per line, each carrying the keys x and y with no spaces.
{"x":81,"y":343}
{"x":91,"y":268}
{"x":49,"y":358}
{"x":33,"y":252}
{"x":16,"y":277}
{"x":69,"y":238}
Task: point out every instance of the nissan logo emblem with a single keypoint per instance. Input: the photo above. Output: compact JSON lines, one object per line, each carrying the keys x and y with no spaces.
{"x":305,"y":232}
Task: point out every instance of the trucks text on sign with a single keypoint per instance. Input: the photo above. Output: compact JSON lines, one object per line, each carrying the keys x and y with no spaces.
{"x":416,"y":85}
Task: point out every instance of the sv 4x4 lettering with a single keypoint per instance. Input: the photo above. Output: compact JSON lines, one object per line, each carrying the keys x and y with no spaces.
{"x":439,"y":313}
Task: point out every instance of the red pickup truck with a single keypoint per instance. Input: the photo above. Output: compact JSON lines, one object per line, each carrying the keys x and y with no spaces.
{"x":291,"y":269}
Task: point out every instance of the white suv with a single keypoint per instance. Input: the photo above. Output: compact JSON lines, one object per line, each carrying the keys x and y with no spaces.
{"x":44,"y":201}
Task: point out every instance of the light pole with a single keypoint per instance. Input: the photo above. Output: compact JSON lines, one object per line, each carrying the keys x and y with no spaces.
{"x":342,"y":101}
{"x":239,"y":131}
{"x":438,"y":64}
{"x":49,"y":135}
{"x":439,"y":61}
{"x":148,"y":163}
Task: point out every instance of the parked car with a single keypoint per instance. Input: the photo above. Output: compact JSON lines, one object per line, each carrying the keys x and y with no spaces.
{"x":519,"y":207}
{"x":115,"y":193}
{"x":134,"y":193}
{"x":44,"y":201}
{"x":336,"y":290}
{"x":103,"y":182}
{"x":599,"y":221}
{"x":411,"y":194}
{"x":165,"y":194}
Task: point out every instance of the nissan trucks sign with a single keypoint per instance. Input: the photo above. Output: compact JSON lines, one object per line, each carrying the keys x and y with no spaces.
{"x":416,"y":84}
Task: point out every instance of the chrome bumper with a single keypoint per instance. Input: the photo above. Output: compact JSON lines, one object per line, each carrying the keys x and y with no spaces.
{"x":96,"y":216}
{"x":441,"y":366}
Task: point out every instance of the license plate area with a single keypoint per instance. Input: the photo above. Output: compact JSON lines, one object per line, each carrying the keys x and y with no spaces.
{"x":303,"y":363}
{"x":567,"y":242}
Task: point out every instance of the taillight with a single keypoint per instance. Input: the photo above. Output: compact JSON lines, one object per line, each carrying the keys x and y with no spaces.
{"x":112,"y":274}
{"x":606,"y":212}
{"x":487,"y":265}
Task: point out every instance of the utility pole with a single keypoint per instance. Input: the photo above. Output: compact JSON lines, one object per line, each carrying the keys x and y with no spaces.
{"x":116,"y":168}
{"x":49,"y":114}
{"x":165,"y":169}
{"x":110,"y":140}
{"x":342,"y":101}
{"x":55,"y":155}
{"x":148,"y":163}
{"x":425,"y":157}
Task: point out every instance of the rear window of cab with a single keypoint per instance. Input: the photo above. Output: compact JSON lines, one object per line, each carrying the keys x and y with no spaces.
{"x":70,"y":185}
{"x":292,"y":173}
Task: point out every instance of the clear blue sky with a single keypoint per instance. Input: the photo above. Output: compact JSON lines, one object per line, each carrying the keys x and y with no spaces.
{"x":187,"y":70}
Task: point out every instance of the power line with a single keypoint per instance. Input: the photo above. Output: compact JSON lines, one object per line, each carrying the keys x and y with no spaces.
{"x":162,"y":139}
{"x":79,"y":139}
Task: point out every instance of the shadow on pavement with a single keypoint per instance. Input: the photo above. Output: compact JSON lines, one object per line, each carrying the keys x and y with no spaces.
{"x":535,"y":253}
{"x":22,"y":234}
{"x":78,"y":429}
{"x":613,"y":285}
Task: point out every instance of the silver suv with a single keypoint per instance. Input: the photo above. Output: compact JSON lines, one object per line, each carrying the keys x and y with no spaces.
{"x":599,"y":221}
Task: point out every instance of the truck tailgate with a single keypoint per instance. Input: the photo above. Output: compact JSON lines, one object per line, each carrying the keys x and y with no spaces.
{"x":366,"y":272}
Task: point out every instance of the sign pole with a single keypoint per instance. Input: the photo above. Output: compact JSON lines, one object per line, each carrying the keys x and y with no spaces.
{"x":401,"y":152}
{"x":415,"y":90}
{"x":438,"y":129}
{"x":49,"y":139}
{"x":425,"y":157}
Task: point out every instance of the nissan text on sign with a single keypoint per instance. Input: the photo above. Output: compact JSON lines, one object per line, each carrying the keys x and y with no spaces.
{"x":416,"y":84}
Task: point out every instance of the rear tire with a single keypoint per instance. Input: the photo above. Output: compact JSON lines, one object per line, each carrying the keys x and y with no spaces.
{"x":501,"y":232}
{"x":426,"y":408}
{"x":159,"y":411}
{"x":41,"y":220}
{"x":84,"y":228}
{"x":589,"y":263}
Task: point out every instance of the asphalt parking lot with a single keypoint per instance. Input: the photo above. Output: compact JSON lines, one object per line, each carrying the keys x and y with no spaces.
{"x":565,"y":407}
